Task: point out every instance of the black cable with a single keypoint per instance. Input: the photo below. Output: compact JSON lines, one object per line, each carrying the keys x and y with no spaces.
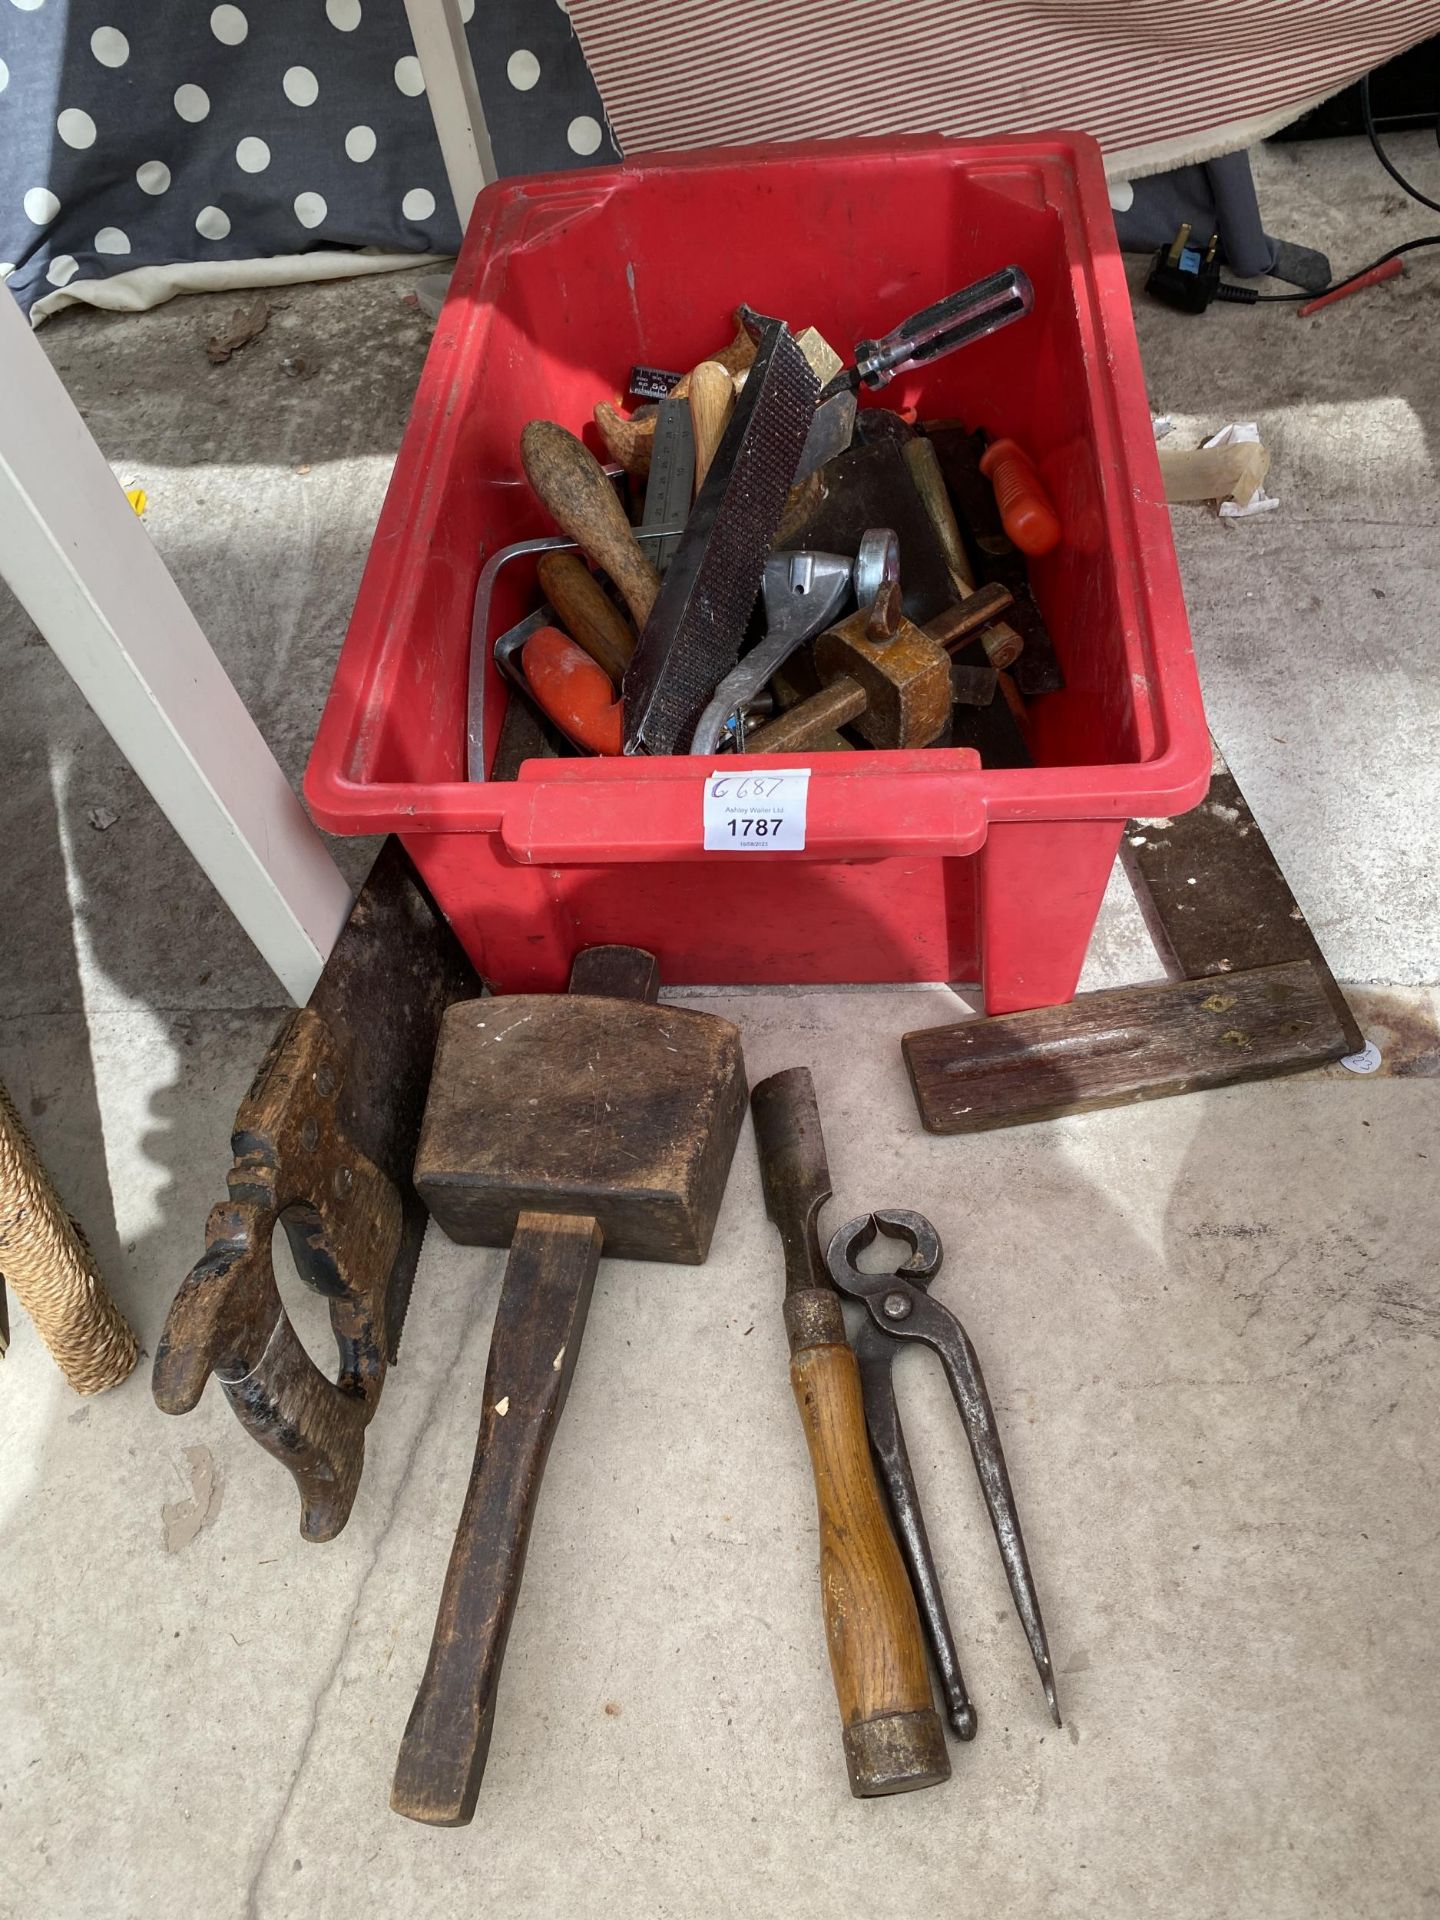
{"x":1249,"y":297}
{"x":1380,"y":154}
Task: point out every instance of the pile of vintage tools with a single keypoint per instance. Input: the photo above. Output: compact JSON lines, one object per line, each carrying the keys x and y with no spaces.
{"x":563,"y":1127}
{"x":567,"y":1126}
{"x":745,"y":508}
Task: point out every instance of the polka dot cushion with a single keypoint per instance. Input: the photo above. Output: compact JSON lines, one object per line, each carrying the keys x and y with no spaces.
{"x":147,"y":132}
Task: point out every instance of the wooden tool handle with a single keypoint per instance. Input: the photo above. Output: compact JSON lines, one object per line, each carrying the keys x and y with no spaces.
{"x":808,"y":722}
{"x":1002,"y":644}
{"x":977,"y":610}
{"x":533,"y":1349}
{"x":586,"y":612}
{"x":893,"y":1738}
{"x":712,"y":401}
{"x":228,"y":1319}
{"x":924,"y":464}
{"x":630,"y":442}
{"x":572,"y":485}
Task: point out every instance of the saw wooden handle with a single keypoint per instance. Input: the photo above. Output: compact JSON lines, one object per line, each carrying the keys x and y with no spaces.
{"x":533,"y":1350}
{"x":893,"y":1738}
{"x":571,"y":484}
{"x":228,"y":1318}
{"x":586,"y":612}
{"x":712,"y":401}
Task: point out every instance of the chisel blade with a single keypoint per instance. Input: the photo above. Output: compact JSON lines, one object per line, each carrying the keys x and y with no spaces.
{"x":794,"y":1171}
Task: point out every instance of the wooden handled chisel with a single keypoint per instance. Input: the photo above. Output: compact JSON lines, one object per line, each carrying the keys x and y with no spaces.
{"x":893,"y":1738}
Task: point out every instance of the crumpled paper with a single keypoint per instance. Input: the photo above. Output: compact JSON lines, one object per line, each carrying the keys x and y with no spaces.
{"x":1238,"y":434}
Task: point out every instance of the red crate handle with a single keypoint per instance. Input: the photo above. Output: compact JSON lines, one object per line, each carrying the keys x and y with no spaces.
{"x":859,"y":816}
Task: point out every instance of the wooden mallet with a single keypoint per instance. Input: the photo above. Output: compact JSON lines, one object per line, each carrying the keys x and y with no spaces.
{"x":557,"y":1125}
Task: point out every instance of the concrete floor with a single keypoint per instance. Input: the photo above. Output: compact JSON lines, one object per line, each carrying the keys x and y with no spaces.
{"x":1209,"y":1325}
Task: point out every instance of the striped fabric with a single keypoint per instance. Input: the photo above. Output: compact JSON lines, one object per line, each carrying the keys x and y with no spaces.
{"x":1137,"y":74}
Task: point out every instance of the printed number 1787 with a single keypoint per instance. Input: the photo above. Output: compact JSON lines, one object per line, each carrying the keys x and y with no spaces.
{"x":760,"y":829}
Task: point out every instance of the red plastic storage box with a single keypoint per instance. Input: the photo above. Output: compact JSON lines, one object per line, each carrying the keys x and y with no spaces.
{"x":917,"y":865}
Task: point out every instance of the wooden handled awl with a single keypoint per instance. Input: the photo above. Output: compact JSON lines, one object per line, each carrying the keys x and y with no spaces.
{"x":571,"y":484}
{"x":586,"y":612}
{"x":893,"y":1738}
{"x":519,"y":1149}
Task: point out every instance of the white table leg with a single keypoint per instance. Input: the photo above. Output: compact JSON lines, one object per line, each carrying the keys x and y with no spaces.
{"x":449,"y":72}
{"x":82,"y":566}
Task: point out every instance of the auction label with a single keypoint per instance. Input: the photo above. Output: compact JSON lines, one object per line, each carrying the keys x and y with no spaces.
{"x":756,"y":812}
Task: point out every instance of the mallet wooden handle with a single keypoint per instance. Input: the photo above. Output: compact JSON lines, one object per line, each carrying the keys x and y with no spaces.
{"x":533,"y":1349}
{"x":586,"y":612}
{"x":893,"y":1738}
{"x":571,"y":484}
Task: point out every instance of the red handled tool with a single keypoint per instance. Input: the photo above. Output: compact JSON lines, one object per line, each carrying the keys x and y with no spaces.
{"x":573,"y":689}
{"x":1025,"y":509}
{"x":1387,"y":270}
